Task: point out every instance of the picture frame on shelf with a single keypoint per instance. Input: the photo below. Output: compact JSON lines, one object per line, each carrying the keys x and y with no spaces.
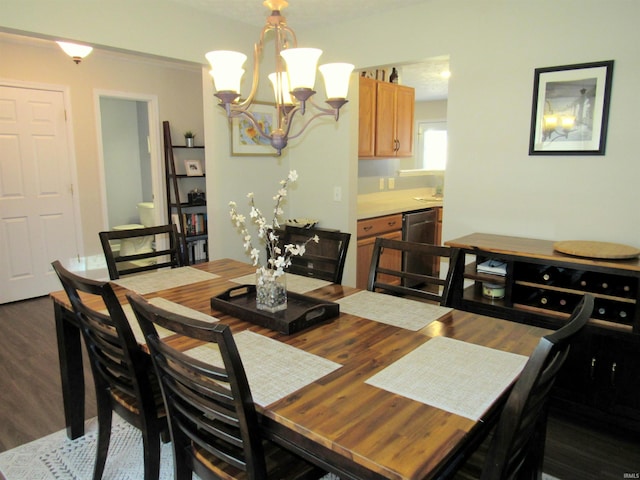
{"x":246,"y":140}
{"x":193,"y":168}
{"x":570,"y":110}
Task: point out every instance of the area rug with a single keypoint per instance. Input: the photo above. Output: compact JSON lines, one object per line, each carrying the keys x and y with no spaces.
{"x":55,"y":457}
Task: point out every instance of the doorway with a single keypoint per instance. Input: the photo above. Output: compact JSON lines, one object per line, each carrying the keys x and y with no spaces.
{"x":131,"y":164}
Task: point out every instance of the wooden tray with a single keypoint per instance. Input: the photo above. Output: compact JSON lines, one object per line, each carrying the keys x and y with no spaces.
{"x":301,"y":312}
{"x":583,"y":248}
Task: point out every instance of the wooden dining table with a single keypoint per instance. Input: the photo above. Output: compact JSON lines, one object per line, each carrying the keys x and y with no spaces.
{"x":340,"y":421}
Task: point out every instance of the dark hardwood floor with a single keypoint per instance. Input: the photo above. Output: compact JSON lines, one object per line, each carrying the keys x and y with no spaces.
{"x":30,"y":391}
{"x":31,"y":402}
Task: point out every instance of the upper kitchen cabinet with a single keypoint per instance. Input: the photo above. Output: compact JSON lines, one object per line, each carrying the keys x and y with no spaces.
{"x":385,"y":119}
{"x":367,"y":118}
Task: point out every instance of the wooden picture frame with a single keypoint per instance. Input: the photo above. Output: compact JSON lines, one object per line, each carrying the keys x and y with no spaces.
{"x":193,"y":168}
{"x":245,"y":140}
{"x":570,"y":110}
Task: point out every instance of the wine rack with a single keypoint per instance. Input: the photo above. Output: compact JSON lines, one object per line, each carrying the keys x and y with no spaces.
{"x":601,"y":376}
{"x":558,"y":289}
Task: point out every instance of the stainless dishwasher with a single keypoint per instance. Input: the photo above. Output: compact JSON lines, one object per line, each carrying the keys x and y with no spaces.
{"x":419,"y":226}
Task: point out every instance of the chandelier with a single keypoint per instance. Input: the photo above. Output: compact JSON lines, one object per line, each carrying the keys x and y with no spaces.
{"x":293,"y":86}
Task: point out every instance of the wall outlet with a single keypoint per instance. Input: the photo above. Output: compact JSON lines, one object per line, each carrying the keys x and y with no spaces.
{"x":381,"y":187}
{"x":337,"y":194}
{"x":392,"y":183}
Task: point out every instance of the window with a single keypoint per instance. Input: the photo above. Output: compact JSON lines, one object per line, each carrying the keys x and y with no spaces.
{"x":432,"y":145}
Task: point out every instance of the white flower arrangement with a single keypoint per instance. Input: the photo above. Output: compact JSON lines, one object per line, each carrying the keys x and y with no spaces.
{"x":278,"y":260}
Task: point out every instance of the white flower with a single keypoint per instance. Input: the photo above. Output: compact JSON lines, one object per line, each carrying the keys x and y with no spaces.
{"x":267,"y":231}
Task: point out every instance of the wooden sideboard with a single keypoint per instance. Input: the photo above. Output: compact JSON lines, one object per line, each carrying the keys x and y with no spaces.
{"x":541,"y":286}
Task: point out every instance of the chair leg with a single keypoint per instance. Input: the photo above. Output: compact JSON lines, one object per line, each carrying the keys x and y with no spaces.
{"x":151,"y":445}
{"x":182,"y":469}
{"x":104,"y":432}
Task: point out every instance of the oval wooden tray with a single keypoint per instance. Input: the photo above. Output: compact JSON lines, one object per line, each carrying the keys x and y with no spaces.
{"x":584,"y":248}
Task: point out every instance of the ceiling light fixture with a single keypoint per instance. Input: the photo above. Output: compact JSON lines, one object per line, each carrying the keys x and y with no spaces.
{"x":293,"y":86}
{"x":75,"y":51}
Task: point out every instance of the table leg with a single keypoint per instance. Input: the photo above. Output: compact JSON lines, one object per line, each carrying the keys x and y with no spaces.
{"x":71,"y":371}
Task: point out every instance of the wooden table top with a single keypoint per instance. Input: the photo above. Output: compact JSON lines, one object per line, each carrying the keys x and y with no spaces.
{"x":339,"y":418}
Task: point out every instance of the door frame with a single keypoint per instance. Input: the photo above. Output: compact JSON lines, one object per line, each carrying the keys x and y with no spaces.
{"x":155,"y":151}
{"x":73,"y":166}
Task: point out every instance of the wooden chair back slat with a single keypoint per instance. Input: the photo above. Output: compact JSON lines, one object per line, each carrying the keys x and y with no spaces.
{"x":172,"y":256}
{"x":400,"y":277}
{"x":324,"y":260}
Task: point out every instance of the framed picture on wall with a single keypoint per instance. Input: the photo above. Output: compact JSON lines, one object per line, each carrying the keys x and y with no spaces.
{"x":245,"y":137}
{"x":570,"y":110}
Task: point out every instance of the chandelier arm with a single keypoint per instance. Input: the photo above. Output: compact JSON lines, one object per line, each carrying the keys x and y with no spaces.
{"x":306,"y":124}
{"x":249,"y":116}
{"x":292,"y":34}
{"x":328,"y":111}
{"x":257,"y":50}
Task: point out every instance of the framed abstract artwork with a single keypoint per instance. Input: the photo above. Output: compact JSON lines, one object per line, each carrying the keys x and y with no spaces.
{"x":245,"y":137}
{"x":570,"y":110}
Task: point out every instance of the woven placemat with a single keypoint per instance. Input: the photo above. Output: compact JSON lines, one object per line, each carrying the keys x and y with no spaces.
{"x":589,"y":249}
{"x":167,"y":305}
{"x":274,"y":369}
{"x":399,"y":312}
{"x":295,"y":283}
{"x":459,"y":377}
{"x":164,"y":279}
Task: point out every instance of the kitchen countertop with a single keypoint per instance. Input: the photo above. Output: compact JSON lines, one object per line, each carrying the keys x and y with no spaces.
{"x":377,"y":204}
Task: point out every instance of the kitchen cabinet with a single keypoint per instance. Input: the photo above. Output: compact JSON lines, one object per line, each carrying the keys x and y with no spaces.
{"x":385,"y":119}
{"x":542,"y":286}
{"x":398,"y":227}
{"x":186,"y":203}
{"x":367,"y":118}
{"x":388,"y":226}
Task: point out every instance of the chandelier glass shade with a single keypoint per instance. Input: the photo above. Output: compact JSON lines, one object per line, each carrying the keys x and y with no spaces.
{"x":293,"y":81}
{"x":75,"y":51}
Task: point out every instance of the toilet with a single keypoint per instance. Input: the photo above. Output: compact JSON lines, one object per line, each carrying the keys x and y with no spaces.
{"x":131,"y":246}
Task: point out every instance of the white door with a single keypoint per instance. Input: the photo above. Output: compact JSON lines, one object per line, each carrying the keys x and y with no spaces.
{"x":37,"y":223}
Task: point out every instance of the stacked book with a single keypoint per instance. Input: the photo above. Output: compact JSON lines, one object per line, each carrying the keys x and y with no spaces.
{"x":493,"y":267}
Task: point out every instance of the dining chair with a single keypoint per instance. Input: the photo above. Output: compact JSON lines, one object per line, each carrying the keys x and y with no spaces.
{"x":324,"y":260}
{"x":412,"y":269}
{"x":125,"y":262}
{"x":515,"y":448}
{"x":213,"y":422}
{"x":123,"y":374}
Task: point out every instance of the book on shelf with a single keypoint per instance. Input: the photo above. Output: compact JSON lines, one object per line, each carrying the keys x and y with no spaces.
{"x":197,"y":251}
{"x":493,"y":267}
{"x":194,"y":223}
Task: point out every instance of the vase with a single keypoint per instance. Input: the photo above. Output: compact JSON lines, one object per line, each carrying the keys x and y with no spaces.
{"x":189,"y":141}
{"x":271,"y":291}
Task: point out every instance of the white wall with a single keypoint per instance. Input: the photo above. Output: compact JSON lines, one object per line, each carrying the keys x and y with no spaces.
{"x":492,"y":184}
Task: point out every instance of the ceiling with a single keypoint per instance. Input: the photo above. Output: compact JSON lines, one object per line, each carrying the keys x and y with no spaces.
{"x":300,"y":13}
{"x":424,"y":76}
